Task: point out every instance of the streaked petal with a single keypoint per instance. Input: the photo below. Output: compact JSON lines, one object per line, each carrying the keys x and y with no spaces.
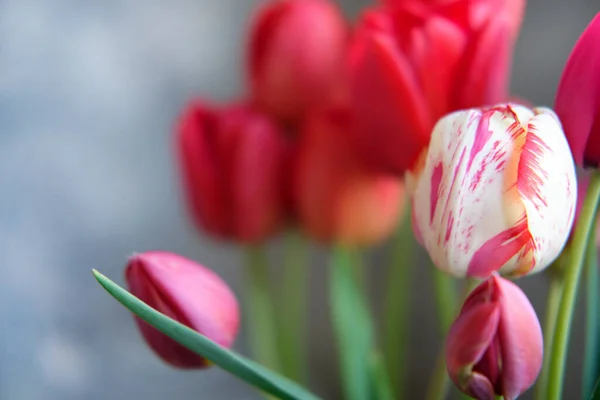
{"x":486,"y":198}
{"x":466,"y":209}
{"x":547,"y":187}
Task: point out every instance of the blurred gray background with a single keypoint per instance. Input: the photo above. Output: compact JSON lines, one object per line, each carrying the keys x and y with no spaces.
{"x":88,"y":96}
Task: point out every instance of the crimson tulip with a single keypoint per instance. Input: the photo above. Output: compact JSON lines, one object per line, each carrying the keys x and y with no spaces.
{"x":578,"y":97}
{"x":414,"y":61}
{"x":295,"y":55}
{"x":232,"y":162}
{"x":187,"y":292}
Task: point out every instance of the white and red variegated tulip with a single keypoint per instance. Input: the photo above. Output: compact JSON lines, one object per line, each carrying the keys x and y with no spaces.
{"x":496,"y":192}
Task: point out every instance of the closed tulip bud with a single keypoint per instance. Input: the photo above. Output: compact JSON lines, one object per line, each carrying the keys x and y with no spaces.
{"x":338,"y":199}
{"x":295,"y":55}
{"x":497,"y":191}
{"x":415,"y":61}
{"x":578,"y":97}
{"x":232,"y":166}
{"x":190,"y":294}
{"x":495,"y":346}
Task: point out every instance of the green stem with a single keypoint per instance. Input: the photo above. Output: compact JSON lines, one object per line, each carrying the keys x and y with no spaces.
{"x":445,"y":289}
{"x":446,"y":299}
{"x":572,"y":274}
{"x":396,"y":315}
{"x":554,"y":295}
{"x":260,"y":318}
{"x":352,"y":325}
{"x":293,"y":308}
{"x":590,"y":363}
{"x":438,"y":384}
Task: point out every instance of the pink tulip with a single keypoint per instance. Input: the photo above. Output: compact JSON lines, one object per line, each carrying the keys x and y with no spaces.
{"x":414,"y":61}
{"x":578,"y":97}
{"x":339,"y":200}
{"x":232,"y":163}
{"x":495,"y":346}
{"x":496,"y":191}
{"x":187,"y":292}
{"x":295,"y":55}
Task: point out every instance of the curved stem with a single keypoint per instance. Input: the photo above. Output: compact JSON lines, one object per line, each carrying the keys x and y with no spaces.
{"x":572,"y":274}
{"x":396,"y":315}
{"x":554,"y":296}
{"x":261,"y":315}
{"x":590,"y":362}
{"x":293,"y":307}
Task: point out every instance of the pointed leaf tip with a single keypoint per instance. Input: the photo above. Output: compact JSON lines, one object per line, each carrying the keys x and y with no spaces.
{"x":245,"y":369}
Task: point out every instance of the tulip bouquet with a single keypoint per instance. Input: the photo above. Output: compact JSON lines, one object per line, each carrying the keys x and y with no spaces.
{"x":397,"y":125}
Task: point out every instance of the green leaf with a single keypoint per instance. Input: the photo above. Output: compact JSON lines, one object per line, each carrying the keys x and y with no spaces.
{"x":381,"y":385}
{"x":352,"y":326}
{"x":231,"y":362}
{"x":596,"y":392}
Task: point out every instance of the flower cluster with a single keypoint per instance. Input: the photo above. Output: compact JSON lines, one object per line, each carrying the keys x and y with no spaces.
{"x":343,"y":125}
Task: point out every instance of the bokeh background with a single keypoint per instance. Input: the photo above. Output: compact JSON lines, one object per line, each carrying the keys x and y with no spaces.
{"x":89,"y":92}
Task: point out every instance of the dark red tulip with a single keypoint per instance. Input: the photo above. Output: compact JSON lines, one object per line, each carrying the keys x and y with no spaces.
{"x":414,"y":61}
{"x":232,"y":162}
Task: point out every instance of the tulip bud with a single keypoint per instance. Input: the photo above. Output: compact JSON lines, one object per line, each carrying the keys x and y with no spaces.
{"x":339,"y":200}
{"x":232,"y":165}
{"x":495,"y":346}
{"x":414,"y":61}
{"x":578,"y":97}
{"x":190,"y":294}
{"x":295,"y":55}
{"x":497,"y":191}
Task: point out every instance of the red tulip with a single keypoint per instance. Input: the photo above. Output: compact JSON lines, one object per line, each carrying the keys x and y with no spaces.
{"x":232,"y":165}
{"x":495,"y":346}
{"x":578,"y":97}
{"x":187,"y":292}
{"x":295,"y":55}
{"x":415,"y":61}
{"x":339,"y":200}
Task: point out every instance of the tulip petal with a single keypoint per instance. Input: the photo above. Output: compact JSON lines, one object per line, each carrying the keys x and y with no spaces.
{"x":166,"y":348}
{"x":436,"y":60}
{"x":578,"y":97}
{"x":473,"y":149}
{"x":467,"y":341}
{"x":200,"y":169}
{"x":521,"y":340}
{"x":549,"y":203}
{"x":387,"y":102}
{"x":180,"y":281}
{"x":482,"y":78}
